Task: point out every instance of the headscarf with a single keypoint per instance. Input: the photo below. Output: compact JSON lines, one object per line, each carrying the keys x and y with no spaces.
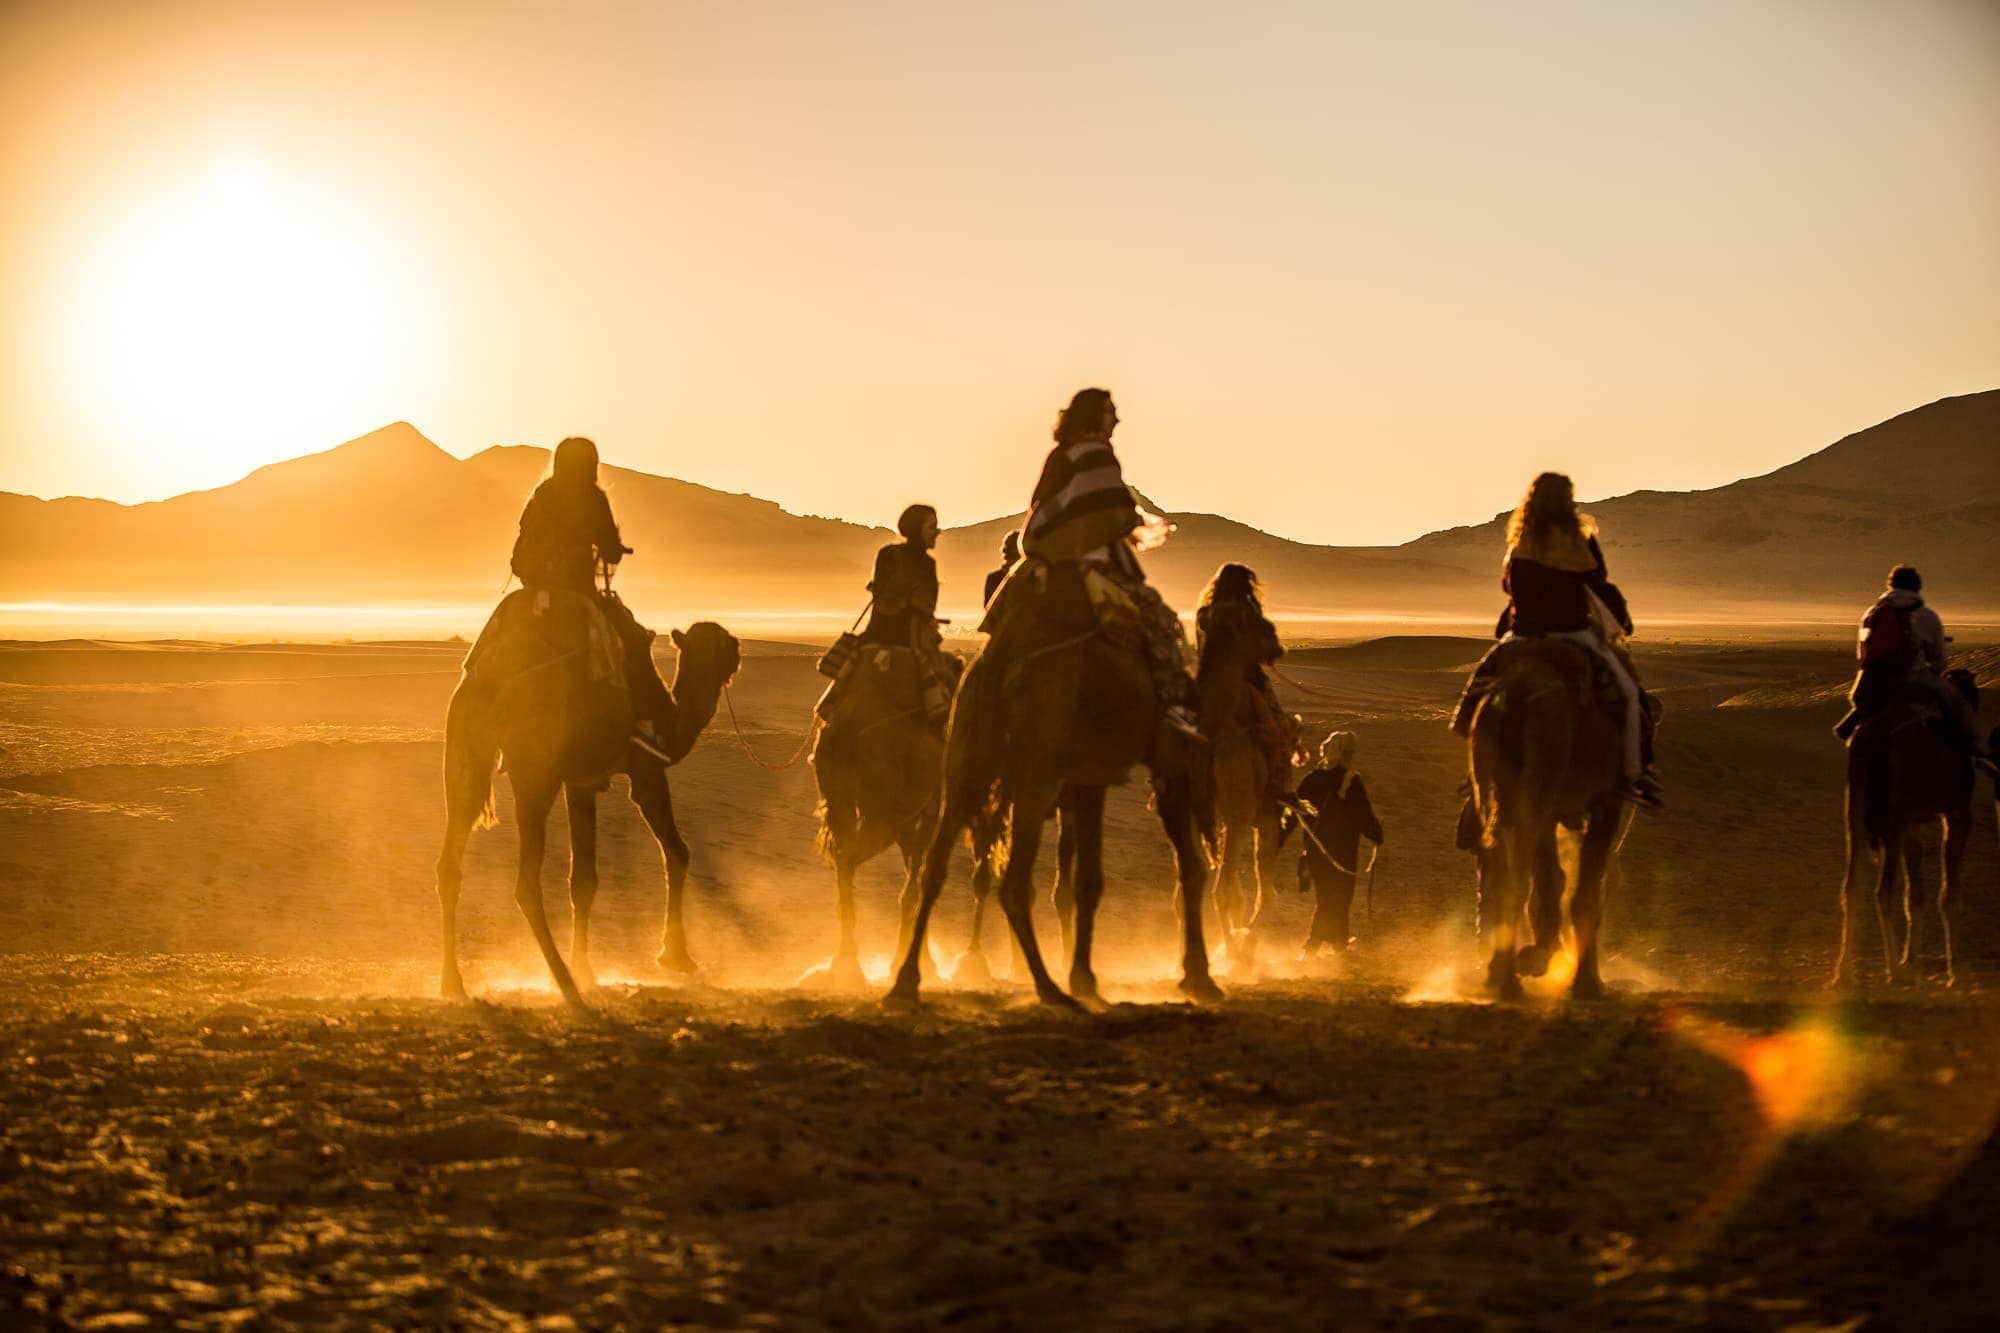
{"x":1337,"y":751}
{"x":1338,"y":748}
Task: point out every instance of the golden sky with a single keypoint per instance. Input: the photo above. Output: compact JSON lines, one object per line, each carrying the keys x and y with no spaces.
{"x":1353,"y":271}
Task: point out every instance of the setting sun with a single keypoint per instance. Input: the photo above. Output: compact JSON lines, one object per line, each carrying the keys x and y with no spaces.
{"x":212,"y":320}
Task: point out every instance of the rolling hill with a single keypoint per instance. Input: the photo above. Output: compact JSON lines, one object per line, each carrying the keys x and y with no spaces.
{"x":392,"y":518}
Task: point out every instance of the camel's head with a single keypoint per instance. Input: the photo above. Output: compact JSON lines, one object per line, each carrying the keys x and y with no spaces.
{"x":707,"y":647}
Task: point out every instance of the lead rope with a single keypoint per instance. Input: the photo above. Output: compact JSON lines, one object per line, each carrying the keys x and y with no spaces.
{"x":805,"y":739}
{"x":1299,"y":685}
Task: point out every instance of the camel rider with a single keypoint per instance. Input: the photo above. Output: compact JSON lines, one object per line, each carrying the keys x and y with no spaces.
{"x":1902,"y":649}
{"x":1341,"y":815}
{"x":1558,"y":588}
{"x":1010,"y":555}
{"x":1235,"y":593}
{"x":902,"y":612}
{"x":1083,"y":513}
{"x":566,"y":528}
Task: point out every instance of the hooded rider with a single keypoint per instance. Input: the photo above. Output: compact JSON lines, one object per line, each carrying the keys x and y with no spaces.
{"x":566,"y":529}
{"x":1902,"y":649}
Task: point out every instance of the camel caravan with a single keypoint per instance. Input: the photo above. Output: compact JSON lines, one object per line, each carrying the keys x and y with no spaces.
{"x":1086,"y":675}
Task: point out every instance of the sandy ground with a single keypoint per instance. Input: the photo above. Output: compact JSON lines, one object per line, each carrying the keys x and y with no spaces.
{"x":231,"y":1098}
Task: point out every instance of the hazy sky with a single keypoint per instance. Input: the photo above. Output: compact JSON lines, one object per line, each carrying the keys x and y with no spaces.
{"x":1354,"y":271}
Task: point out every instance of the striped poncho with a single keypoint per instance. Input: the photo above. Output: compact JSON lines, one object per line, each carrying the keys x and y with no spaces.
{"x":1081,"y":503}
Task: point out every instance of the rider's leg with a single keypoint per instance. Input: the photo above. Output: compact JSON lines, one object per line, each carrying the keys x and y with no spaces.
{"x":1634,"y":760}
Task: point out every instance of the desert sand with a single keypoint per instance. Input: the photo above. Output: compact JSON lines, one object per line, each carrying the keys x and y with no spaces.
{"x":234,"y":1100}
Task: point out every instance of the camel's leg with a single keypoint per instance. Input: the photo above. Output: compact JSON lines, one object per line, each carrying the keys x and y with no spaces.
{"x":1848,"y":959}
{"x":532,"y":799}
{"x":1916,"y":904}
{"x":972,"y":965}
{"x":1957,"y":828}
{"x":1586,"y":911}
{"x":912,"y":844}
{"x":1264,"y":865}
{"x":449,"y":876}
{"x":1889,"y":905}
{"x":655,"y":799}
{"x":1176,"y":809}
{"x":1064,"y":893}
{"x":582,"y":878}
{"x":1545,"y":909}
{"x":1229,"y":879}
{"x":937,"y":864}
{"x":1085,"y":807}
{"x":1030,"y":808}
{"x":1507,"y":870}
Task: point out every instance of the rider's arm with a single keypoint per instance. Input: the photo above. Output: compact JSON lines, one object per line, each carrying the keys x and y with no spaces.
{"x":610,"y":546}
{"x":1607,"y":591}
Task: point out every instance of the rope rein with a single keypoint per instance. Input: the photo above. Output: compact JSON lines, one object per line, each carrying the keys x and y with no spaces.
{"x":1300,"y":685}
{"x":805,"y":740}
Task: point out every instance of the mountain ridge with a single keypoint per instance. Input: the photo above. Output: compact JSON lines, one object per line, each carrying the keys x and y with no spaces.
{"x":390,"y":515}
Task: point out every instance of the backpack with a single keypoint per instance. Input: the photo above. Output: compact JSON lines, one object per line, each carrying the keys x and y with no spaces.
{"x":1886,"y":643}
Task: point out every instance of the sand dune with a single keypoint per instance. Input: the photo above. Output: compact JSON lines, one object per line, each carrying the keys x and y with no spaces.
{"x":236,"y":1101}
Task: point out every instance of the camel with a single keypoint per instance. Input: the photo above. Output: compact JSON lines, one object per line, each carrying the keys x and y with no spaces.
{"x":1054,"y":711}
{"x":878,"y":763}
{"x":531,"y":701}
{"x":1902,"y":773}
{"x":1544,"y":754}
{"x":988,"y":859}
{"x":1246,"y":808}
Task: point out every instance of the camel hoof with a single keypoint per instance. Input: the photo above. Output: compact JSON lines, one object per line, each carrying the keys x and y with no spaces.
{"x":902,"y":998}
{"x":451,"y":987}
{"x":1083,"y":989}
{"x":837,"y":974}
{"x":674,"y":958}
{"x":1054,"y":998}
{"x":1533,"y":961}
{"x":1506,"y":988}
{"x":971,"y":969}
{"x":1201,"y":989}
{"x":1587,"y":987}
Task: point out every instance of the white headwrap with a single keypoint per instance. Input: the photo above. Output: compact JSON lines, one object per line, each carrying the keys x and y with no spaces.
{"x":1339,"y":747}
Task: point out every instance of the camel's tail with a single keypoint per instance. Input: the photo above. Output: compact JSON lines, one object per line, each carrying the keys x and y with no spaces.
{"x":471,"y":750}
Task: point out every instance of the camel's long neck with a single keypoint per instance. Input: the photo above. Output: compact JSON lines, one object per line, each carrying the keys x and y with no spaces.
{"x":696,"y":690}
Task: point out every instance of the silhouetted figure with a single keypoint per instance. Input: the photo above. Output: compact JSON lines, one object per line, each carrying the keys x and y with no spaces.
{"x":1010,"y":555}
{"x":902,"y":613}
{"x":1557,"y":587}
{"x":1901,"y":652}
{"x":1083,"y":512}
{"x":1235,"y":592}
{"x":1341,"y":817}
{"x":566,"y":529}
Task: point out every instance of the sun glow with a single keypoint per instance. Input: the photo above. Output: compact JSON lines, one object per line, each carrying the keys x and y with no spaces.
{"x":221,"y":325}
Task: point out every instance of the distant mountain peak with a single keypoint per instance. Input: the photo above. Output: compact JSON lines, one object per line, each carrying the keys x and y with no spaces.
{"x":396,"y":437}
